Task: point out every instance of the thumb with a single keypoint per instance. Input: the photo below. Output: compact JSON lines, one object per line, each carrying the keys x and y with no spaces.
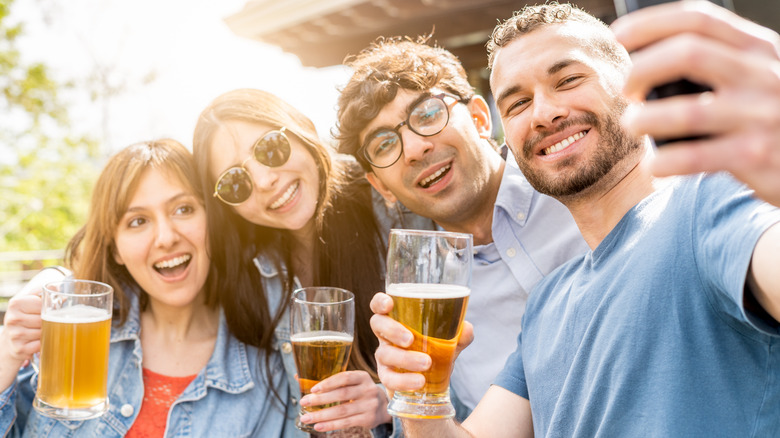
{"x":46,"y":275}
{"x":466,"y":336}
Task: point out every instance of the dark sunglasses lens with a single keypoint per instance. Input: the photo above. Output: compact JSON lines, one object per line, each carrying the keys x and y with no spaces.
{"x":273,"y":149}
{"x":235,"y":186}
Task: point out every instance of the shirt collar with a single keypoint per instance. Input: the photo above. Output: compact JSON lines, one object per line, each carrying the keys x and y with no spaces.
{"x":227,"y":369}
{"x":515,"y":193}
{"x":131,"y":329}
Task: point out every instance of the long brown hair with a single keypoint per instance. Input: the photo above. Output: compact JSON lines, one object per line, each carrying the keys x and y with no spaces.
{"x":90,"y":253}
{"x":348,"y":249}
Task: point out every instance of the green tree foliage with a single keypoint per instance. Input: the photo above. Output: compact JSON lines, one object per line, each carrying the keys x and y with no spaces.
{"x":47,"y":172}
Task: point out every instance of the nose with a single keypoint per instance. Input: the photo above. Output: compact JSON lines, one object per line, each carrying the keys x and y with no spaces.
{"x":263,"y":177}
{"x":167,"y":234}
{"x":547,"y":111}
{"x":415,"y":146}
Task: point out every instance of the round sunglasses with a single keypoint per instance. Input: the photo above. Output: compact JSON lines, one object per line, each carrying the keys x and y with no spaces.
{"x":234,"y":186}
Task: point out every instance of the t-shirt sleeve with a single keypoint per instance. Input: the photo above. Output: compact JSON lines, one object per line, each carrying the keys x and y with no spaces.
{"x":512,"y":377}
{"x":729,"y":222}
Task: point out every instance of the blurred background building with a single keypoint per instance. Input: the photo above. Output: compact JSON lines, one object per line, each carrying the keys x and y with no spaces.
{"x":322,"y":32}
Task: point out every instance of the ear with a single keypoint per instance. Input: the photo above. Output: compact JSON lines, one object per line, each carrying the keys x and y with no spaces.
{"x":380,"y":187}
{"x":480,"y":113}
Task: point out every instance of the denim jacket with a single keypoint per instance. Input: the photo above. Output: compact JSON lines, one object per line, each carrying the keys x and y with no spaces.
{"x":229,"y":397}
{"x":272,"y":284}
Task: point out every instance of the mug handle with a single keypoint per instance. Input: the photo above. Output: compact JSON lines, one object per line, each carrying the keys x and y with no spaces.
{"x":46,"y":275}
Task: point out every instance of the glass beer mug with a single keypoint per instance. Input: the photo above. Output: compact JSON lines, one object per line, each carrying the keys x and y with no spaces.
{"x":73,"y":364}
{"x":429,"y":279}
{"x":322,"y":327}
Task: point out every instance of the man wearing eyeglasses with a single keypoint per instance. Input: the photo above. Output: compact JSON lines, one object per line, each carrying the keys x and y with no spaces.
{"x":411,"y":119}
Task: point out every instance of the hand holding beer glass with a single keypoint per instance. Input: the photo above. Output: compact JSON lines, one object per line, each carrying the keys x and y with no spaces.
{"x":322,"y":326}
{"x":76,"y":328}
{"x":429,"y":278}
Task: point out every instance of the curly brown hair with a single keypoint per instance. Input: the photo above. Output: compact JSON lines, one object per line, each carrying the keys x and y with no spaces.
{"x":534,"y":17}
{"x":380,"y":70}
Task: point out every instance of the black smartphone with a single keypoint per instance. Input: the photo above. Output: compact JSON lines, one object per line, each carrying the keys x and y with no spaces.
{"x":683,"y":86}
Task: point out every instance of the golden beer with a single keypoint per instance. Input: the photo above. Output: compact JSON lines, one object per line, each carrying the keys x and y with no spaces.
{"x":322,"y":327}
{"x":74,"y":358}
{"x":319,"y":355}
{"x":434,"y":314}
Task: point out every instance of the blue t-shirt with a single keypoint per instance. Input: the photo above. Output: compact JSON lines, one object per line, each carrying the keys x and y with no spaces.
{"x":647,"y":335}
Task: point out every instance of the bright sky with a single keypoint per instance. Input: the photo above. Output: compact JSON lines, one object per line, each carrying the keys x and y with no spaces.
{"x":183,"y":44}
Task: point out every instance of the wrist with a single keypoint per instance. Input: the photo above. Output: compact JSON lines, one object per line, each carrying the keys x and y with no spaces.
{"x":8,"y":360}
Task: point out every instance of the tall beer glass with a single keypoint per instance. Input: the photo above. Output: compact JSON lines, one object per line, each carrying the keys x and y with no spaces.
{"x":322,"y":327}
{"x":429,"y":279}
{"x":74,"y":350}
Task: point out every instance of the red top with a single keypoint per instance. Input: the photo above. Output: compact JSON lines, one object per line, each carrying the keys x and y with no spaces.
{"x":159,"y":394}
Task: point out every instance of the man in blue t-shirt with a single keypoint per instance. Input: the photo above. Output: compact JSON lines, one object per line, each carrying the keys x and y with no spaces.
{"x":668,"y":326}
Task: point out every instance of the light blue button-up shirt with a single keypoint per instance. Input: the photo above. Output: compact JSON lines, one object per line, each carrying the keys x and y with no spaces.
{"x":229,"y":397}
{"x":532,"y":235}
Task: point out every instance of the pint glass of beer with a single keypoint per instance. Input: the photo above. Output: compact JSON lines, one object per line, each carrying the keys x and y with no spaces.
{"x":429,"y":279}
{"x":73,"y":369}
{"x":322,"y":326}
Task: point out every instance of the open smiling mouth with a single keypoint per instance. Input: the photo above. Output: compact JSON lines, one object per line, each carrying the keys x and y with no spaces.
{"x":563,"y":144}
{"x":286,"y":197}
{"x":435,"y":177}
{"x":174,"y":266}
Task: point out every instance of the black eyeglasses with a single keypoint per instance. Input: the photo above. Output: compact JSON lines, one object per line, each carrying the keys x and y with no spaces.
{"x":428,"y":117}
{"x":235,"y":184}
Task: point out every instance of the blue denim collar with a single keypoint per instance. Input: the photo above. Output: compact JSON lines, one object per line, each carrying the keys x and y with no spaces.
{"x":227,"y":369}
{"x":265,"y":265}
{"x":131,"y":329}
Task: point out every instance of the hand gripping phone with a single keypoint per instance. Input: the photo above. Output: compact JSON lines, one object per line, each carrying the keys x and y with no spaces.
{"x":683,"y":86}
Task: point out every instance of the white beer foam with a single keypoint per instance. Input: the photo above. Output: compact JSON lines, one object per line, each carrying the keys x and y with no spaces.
{"x":321,"y":335}
{"x":80,"y":313}
{"x":428,"y":290}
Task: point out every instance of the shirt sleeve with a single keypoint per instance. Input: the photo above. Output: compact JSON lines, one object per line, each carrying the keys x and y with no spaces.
{"x":16,"y":403}
{"x":512,"y":377}
{"x":728,"y":223}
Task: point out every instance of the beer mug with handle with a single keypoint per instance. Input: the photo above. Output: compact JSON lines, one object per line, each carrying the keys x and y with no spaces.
{"x":322,"y":327}
{"x":73,"y":369}
{"x":429,"y":279}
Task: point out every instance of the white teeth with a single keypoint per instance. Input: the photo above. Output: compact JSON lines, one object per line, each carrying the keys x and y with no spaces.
{"x":564,"y":143}
{"x":435,"y":175}
{"x":176,"y":261}
{"x":285,"y":198}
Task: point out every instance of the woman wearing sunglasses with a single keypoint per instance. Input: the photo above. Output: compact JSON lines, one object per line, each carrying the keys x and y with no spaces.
{"x":286,"y":213}
{"x":174,"y":368}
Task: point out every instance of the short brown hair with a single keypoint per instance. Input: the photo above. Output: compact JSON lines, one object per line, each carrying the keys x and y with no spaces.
{"x":380,"y":70}
{"x":533,"y":17}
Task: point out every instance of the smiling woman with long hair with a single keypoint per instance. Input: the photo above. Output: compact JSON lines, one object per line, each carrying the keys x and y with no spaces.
{"x":285,"y":212}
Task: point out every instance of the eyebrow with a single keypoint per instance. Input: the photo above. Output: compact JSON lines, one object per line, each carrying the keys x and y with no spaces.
{"x":553,"y":69}
{"x":560,"y":65}
{"x":171,"y":200}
